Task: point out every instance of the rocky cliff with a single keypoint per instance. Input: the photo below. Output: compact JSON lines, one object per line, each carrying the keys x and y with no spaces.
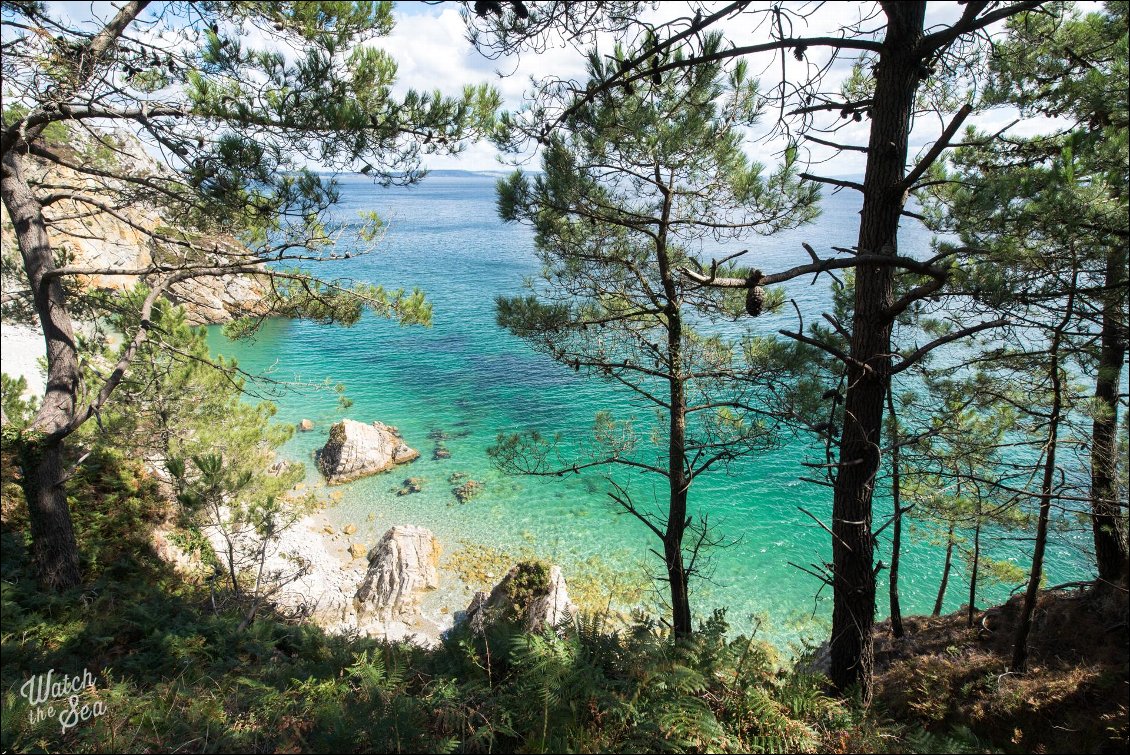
{"x":116,"y":235}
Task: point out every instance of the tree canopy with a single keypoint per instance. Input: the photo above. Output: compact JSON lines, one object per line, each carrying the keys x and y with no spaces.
{"x":635,"y":189}
{"x":241,"y":127}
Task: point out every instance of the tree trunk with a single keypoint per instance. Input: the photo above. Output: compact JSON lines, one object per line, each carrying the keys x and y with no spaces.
{"x":973,"y":571}
{"x":853,"y":614}
{"x":896,"y":526}
{"x":679,"y":486}
{"x":945,"y":573}
{"x":53,"y":541}
{"x":677,"y":442}
{"x":1106,"y":520}
{"x":1024,"y":626}
{"x":53,"y":544}
{"x":677,"y":576}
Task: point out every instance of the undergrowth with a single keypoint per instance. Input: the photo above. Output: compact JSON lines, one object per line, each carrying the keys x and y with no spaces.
{"x":174,"y":673}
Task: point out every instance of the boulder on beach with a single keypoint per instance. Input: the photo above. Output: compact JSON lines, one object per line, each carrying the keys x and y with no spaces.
{"x":355,"y":450}
{"x":403,"y":564}
{"x":532,"y":594}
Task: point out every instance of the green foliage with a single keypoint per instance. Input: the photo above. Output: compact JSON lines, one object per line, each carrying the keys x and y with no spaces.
{"x":1048,"y":216}
{"x":176,"y":402}
{"x":529,"y":581}
{"x":18,"y":411}
{"x":1041,"y":204}
{"x":187,"y":414}
{"x":332,"y":302}
{"x":633,"y":184}
{"x":168,"y":667}
{"x":171,"y":660}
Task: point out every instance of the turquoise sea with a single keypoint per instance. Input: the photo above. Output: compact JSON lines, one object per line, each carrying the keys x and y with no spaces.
{"x":469,"y":379}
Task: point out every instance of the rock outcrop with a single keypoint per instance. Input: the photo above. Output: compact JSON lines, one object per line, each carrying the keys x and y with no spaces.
{"x":532,"y":593}
{"x":312,"y":581}
{"x":126,"y":238}
{"x":355,"y":450}
{"x":401,"y":566}
{"x":216,"y":299}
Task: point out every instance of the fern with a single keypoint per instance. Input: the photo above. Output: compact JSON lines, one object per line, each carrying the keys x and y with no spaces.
{"x":959,"y":740}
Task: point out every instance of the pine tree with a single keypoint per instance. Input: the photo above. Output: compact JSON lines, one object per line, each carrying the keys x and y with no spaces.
{"x":903,"y":63}
{"x":237,"y":128}
{"x":632,"y":187}
{"x":1051,"y":212}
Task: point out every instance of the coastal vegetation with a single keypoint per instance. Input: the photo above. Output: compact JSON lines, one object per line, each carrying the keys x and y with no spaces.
{"x":233,"y":195}
{"x":628,"y":191}
{"x":155,"y":532}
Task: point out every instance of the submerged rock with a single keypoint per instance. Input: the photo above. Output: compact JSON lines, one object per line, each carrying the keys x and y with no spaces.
{"x":401,"y":566}
{"x":467,"y":490}
{"x":532,"y":594}
{"x":355,"y":450}
{"x":306,"y":425}
{"x":411,"y":485}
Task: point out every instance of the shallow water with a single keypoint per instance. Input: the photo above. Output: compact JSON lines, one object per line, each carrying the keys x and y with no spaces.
{"x":470,"y":379}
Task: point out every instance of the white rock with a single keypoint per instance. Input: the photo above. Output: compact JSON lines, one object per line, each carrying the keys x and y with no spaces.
{"x":548,"y":605}
{"x":401,"y":566}
{"x":355,"y":450}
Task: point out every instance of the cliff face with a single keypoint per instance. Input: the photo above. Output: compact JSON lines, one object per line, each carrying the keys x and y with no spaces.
{"x":116,"y":236}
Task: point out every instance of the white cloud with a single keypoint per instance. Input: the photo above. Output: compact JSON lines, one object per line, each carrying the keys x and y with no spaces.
{"x":430,"y":45}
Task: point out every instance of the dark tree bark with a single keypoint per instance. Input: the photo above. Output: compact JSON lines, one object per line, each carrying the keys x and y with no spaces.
{"x":897,"y":77}
{"x":972,"y":607}
{"x":1024,"y":626}
{"x":945,"y":574}
{"x":896,"y":525}
{"x":1110,"y":540}
{"x":678,"y":578}
{"x":54,"y":548}
{"x":677,"y":442}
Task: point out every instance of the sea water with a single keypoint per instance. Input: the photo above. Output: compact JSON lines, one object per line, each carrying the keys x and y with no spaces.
{"x":470,"y":380}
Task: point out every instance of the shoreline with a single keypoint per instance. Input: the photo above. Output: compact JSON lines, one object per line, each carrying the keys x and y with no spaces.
{"x":324,"y":593}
